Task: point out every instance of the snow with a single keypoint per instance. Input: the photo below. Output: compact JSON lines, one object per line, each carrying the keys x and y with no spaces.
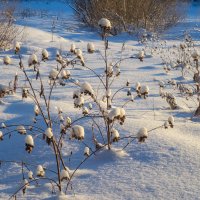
{"x":61,"y":118}
{"x":64,"y":175}
{"x":114,"y":113}
{"x":90,"y":106}
{"x":79,"y":53}
{"x":110,"y":70}
{"x":76,"y":94}
{"x":115,"y":135}
{"x":117,"y":71}
{"x":79,"y":102}
{"x":59,"y":109}
{"x":165,"y":166}
{"x":17,"y":45}
{"x":141,"y":55}
{"x":1,"y":135}
{"x":161,"y":84}
{"x":104,"y":23}
{"x":73,"y":47}
{"x":7,"y":60}
{"x":142,"y":134}
{"x":144,"y":89}
{"x":171,"y":120}
{"x":3,"y":125}
{"x":122,"y":113}
{"x":32,"y":59}
{"x":49,"y":133}
{"x":68,"y":121}
{"x":26,"y":183}
{"x":86,"y":88}
{"x":166,"y":125}
{"x":45,"y":54}
{"x":108,"y":93}
{"x":21,"y":129}
{"x":85,"y":110}
{"x":86,"y":151}
{"x":90,"y":47}
{"x":65,"y":74}
{"x":30,"y":175}
{"x":53,"y":74}
{"x":40,"y":171}
{"x":195,"y":54}
{"x":138,"y":86}
{"x":4,"y":88}
{"x":29,"y":140}
{"x":36,"y":110}
{"x":78,"y":132}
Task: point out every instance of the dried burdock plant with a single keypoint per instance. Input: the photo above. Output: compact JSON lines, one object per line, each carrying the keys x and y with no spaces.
{"x":100,"y":105}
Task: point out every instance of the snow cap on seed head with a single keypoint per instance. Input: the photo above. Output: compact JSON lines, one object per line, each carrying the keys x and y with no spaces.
{"x":86,"y":88}
{"x":90,"y":47}
{"x":137,"y":86}
{"x":21,"y":129}
{"x":64,"y":175}
{"x":49,"y":133}
{"x":45,"y":54}
{"x":7,"y":60}
{"x":104,"y":23}
{"x":117,"y":114}
{"x":77,"y":132}
{"x":40,"y":171}
{"x":17,"y":47}
{"x":30,"y":175}
{"x":73,"y":47}
{"x":29,"y":143}
{"x":68,"y":121}
{"x":65,"y":74}
{"x":115,"y":135}
{"x":79,"y":102}
{"x":59,"y":109}
{"x":32,"y":59}
{"x":90,"y":106}
{"x":53,"y":74}
{"x":36,"y":110}
{"x":3,"y":125}
{"x":166,"y":125}
{"x":29,"y":140}
{"x":1,"y":135}
{"x":142,"y":134}
{"x":26,"y":183}
{"x":79,"y":53}
{"x":171,"y":121}
{"x":195,"y":55}
{"x":87,"y":151}
{"x":85,"y":110}
{"x":144,"y":89}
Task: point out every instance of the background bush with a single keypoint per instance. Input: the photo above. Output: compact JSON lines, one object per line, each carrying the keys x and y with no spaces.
{"x":152,"y":15}
{"x":8,"y":32}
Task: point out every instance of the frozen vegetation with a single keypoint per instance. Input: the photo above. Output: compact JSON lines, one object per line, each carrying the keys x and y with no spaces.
{"x":85,"y":118}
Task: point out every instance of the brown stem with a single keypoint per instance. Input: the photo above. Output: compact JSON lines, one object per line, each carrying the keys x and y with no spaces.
{"x":81,"y":164}
{"x":49,"y":179}
{"x":107,"y":88}
{"x":57,"y":163}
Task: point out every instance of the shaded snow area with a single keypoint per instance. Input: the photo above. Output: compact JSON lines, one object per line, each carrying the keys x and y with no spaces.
{"x":165,"y":167}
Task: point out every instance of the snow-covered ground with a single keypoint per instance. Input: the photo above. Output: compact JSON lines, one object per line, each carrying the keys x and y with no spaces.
{"x":165,"y":167}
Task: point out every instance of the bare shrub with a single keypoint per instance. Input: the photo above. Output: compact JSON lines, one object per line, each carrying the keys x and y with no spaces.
{"x":152,"y":15}
{"x":101,"y":106}
{"x":8,"y":32}
{"x":183,"y":58}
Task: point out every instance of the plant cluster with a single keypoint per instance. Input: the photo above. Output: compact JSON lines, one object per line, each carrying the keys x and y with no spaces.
{"x":184,"y":58}
{"x":100,"y":105}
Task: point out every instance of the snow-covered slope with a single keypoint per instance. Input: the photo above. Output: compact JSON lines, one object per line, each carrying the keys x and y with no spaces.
{"x":165,"y":167}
